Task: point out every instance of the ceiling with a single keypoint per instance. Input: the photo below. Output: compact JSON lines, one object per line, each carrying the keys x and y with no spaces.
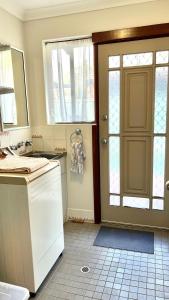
{"x":37,"y":9}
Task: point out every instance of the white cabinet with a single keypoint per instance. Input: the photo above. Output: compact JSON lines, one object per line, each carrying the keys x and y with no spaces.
{"x":31,"y":227}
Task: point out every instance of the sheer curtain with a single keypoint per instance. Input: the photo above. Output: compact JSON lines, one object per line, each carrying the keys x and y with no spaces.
{"x":7,"y":101}
{"x":69,"y":81}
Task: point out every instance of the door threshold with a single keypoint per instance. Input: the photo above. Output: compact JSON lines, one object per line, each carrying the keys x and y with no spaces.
{"x":132,"y":225}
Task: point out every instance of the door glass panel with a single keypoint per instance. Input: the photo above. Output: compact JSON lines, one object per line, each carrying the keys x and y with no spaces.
{"x":162,"y":57}
{"x":139,"y":59}
{"x":114,"y":102}
{"x":161,"y":83}
{"x":114,"y":61}
{"x":114,"y":165}
{"x":136,"y":202}
{"x":115,"y":200}
{"x":158,"y":166}
{"x":158,"y":204}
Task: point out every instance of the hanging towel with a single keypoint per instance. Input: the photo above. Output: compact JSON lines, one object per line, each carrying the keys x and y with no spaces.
{"x":77,"y":157}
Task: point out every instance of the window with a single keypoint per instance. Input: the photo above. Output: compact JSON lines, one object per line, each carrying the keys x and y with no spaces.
{"x":69,"y":77}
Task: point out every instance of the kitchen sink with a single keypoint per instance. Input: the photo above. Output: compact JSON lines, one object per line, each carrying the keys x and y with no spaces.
{"x":48,"y":155}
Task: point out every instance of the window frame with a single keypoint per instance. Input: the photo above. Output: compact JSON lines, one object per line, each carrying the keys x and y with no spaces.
{"x":45,"y":71}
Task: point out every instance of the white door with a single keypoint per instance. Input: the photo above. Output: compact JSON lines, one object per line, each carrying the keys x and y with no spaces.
{"x":133,"y":99}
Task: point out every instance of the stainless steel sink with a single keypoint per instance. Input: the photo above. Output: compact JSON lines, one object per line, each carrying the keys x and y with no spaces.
{"x":48,"y":155}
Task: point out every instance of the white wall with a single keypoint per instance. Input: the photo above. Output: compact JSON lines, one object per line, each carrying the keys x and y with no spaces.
{"x":80,"y":192}
{"x":11,"y":32}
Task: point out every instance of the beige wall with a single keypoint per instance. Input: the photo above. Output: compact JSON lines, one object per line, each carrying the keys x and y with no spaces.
{"x":80,"y":24}
{"x":80,"y":188}
{"x":11,"y":32}
{"x":80,"y":192}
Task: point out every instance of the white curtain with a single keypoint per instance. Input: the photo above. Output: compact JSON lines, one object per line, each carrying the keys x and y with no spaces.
{"x":69,"y":81}
{"x":8,"y":104}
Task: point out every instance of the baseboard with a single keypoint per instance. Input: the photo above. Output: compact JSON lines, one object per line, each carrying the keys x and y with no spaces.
{"x":86,"y":215}
{"x":146,"y":227}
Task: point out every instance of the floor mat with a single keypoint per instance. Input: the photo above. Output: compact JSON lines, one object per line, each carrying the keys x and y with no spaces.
{"x":125,"y":239}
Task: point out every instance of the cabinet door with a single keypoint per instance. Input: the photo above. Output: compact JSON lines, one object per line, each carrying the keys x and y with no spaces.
{"x":45,"y":207}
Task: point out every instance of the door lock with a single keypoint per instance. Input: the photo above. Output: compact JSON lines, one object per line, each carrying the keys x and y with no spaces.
{"x":167,"y":185}
{"x":104,"y":117}
{"x":104,"y":141}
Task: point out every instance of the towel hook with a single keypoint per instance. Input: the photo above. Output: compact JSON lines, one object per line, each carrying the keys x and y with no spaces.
{"x":76,"y":133}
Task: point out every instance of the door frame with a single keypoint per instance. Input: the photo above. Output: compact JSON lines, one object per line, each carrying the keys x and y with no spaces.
{"x":105,"y":37}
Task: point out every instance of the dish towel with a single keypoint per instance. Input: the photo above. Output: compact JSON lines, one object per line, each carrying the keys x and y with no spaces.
{"x":77,"y":158}
{"x":23,"y":165}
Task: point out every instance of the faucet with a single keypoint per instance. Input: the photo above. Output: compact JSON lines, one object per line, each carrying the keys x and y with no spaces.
{"x":20,"y":144}
{"x":28,"y":143}
{"x":13,"y":147}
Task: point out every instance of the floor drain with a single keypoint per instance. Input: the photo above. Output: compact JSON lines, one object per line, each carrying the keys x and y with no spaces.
{"x":85,"y":269}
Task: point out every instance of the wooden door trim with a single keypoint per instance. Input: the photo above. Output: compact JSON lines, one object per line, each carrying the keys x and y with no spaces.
{"x":105,"y":37}
{"x":131,"y":34}
{"x":96,"y":144}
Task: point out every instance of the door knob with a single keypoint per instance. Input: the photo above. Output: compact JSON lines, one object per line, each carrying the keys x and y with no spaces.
{"x":167,"y":185}
{"x":104,"y":141}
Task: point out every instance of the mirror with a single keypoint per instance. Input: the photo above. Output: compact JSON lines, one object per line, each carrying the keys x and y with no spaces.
{"x":13,"y":96}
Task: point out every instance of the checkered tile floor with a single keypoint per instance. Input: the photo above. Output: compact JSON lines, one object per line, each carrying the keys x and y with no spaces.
{"x":114,"y":274}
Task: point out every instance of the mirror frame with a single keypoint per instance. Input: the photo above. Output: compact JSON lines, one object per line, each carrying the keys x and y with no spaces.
{"x":2,"y":129}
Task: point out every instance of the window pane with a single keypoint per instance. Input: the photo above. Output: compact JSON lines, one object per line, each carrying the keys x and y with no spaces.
{"x":139,"y":59}
{"x":161,"y":84}
{"x":84,"y":83}
{"x":158,"y":166}
{"x":162,"y":57}
{"x":158,"y":204}
{"x":114,"y":61}
{"x":136,"y":202}
{"x":114,"y":102}
{"x":70,"y":81}
{"x":114,"y":200}
{"x":114,"y":165}
{"x":60,"y":92}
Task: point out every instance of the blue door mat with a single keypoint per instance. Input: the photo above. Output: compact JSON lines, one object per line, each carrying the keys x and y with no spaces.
{"x":125,"y":239}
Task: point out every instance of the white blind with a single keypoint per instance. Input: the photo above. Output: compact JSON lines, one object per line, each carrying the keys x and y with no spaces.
{"x":69,"y":82}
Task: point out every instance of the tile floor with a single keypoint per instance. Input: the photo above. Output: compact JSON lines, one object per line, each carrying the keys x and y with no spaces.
{"x":114,"y":274}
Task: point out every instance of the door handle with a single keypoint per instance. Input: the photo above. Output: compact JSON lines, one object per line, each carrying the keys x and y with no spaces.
{"x":167,"y":185}
{"x":104,"y":141}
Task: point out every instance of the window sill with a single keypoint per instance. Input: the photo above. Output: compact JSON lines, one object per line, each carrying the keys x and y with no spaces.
{"x":73,"y":123}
